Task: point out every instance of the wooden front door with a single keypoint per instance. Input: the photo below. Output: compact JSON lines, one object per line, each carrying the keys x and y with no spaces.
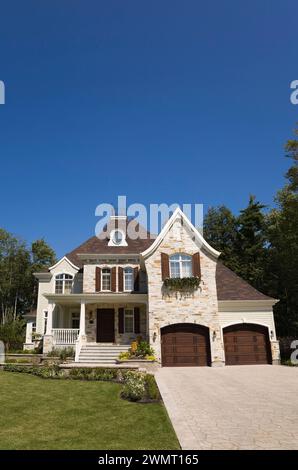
{"x":247,"y":344}
{"x":185,"y":345}
{"x":105,"y":330}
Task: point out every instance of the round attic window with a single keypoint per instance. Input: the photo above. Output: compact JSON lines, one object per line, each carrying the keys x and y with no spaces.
{"x":117,"y":237}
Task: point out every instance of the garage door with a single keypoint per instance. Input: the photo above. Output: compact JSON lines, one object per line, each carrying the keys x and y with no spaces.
{"x":185,"y":345}
{"x":247,"y":344}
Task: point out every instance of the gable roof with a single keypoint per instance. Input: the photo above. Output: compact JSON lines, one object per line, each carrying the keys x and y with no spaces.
{"x":230,"y":286}
{"x":179,"y":214}
{"x":95,"y":245}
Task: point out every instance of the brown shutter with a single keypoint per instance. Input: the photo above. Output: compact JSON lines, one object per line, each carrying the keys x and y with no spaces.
{"x":113,"y":279}
{"x":136,"y":279}
{"x":165,"y":268}
{"x":137,"y":320}
{"x":120,"y":320}
{"x":196,"y":265}
{"x":97,"y":279}
{"x":120,"y":279}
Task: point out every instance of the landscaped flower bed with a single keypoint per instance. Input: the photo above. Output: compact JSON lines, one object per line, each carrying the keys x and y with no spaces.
{"x":139,"y":351}
{"x":137,"y":386}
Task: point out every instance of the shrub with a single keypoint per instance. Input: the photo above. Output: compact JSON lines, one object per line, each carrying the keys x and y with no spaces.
{"x":152,"y":390}
{"x":134,"y":386}
{"x":93,"y":374}
{"x":124,"y":355}
{"x":53,"y":372}
{"x":144,"y":349}
{"x":18,"y":360}
{"x":285,"y":347}
{"x":150,"y":358}
{"x":63,"y":353}
{"x":12,"y":333}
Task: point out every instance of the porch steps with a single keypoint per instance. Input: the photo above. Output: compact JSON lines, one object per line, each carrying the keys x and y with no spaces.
{"x":94,"y":353}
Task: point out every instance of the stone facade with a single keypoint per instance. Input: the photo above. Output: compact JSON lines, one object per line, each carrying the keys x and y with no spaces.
{"x":124,"y":338}
{"x":201,"y":307}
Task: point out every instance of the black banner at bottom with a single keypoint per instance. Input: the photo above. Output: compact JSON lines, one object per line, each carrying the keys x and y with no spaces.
{"x":132,"y":459}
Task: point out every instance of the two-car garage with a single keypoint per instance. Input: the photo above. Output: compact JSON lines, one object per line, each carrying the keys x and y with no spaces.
{"x":187,"y":344}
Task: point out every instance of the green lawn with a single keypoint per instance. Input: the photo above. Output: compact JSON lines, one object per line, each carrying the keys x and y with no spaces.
{"x":70,"y":414}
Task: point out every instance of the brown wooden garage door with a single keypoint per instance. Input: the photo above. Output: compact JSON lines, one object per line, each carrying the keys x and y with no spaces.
{"x":185,"y":345}
{"x":247,"y":344}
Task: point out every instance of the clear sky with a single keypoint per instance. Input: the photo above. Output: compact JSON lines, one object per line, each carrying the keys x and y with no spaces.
{"x":162,"y":101}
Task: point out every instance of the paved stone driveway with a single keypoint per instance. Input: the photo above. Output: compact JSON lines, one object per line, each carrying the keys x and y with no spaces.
{"x":236,"y":407}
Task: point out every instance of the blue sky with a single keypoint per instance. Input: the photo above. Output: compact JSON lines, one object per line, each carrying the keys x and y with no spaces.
{"x":162,"y":101}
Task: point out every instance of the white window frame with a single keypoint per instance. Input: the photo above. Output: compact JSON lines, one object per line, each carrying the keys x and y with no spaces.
{"x":63,"y":275}
{"x":131,"y":315}
{"x":181,"y":258}
{"x":110,"y":276}
{"x":132,"y":277}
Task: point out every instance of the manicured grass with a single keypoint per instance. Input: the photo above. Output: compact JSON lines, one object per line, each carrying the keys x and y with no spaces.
{"x":64,"y":414}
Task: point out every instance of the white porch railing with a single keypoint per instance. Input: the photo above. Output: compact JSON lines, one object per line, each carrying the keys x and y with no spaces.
{"x":65,"y":335}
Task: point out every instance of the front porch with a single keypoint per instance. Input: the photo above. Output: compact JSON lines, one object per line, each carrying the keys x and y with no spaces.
{"x":104,"y":322}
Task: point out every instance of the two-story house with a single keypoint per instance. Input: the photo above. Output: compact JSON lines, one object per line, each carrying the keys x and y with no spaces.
{"x":111,"y":290}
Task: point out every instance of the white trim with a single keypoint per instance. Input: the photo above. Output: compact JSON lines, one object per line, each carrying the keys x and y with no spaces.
{"x":64,"y":259}
{"x":179,"y":213}
{"x":246,"y":305}
{"x":63,"y":281}
{"x":105,"y":297}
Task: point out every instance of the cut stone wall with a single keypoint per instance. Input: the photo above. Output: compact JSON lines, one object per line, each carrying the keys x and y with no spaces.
{"x":124,"y":338}
{"x":201,"y":307}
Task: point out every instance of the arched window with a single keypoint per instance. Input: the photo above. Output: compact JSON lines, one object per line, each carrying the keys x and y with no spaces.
{"x":180,"y":265}
{"x":63,"y":284}
{"x":128,"y":279}
{"x":106,"y":279}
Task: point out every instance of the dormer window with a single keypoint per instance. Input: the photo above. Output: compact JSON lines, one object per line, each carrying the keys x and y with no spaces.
{"x":117,"y":238}
{"x":180,"y":265}
{"x":63,"y":283}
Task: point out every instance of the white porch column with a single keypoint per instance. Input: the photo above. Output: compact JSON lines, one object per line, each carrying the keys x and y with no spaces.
{"x":51,"y":307}
{"x":82,"y":319}
{"x":48,"y":337}
{"x":29,"y":332}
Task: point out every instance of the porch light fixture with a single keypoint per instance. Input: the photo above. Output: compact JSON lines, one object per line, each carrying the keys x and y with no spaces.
{"x":154,"y":337}
{"x":271,"y":334}
{"x":214,"y":335}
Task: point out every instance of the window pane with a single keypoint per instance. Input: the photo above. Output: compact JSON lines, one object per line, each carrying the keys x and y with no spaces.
{"x":175,"y":268}
{"x":67,"y":287}
{"x":186,"y":269}
{"x":128,"y":279}
{"x":106,"y":279}
{"x":59,"y":287}
{"x":128,"y":321}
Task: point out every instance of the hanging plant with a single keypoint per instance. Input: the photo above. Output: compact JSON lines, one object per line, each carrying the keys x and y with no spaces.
{"x":182,"y":283}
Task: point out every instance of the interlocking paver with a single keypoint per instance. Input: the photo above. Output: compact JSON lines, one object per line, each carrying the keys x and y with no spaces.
{"x":236,"y":407}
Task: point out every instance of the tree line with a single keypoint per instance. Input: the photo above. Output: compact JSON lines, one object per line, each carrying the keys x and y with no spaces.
{"x":261,"y":244}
